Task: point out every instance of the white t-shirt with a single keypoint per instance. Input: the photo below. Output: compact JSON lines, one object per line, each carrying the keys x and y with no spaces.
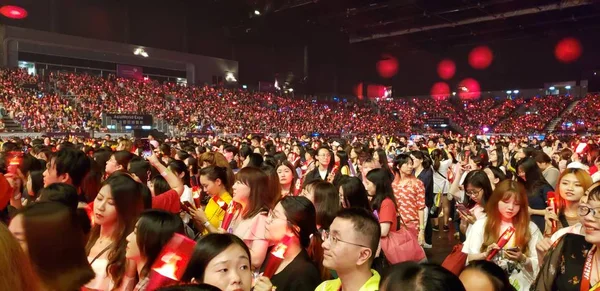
{"x":186,"y":196}
{"x":441,"y":184}
{"x":474,"y":241}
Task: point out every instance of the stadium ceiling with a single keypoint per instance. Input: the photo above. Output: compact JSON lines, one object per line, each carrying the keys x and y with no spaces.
{"x":414,"y":23}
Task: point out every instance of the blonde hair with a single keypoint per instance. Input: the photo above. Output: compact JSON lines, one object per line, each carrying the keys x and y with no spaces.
{"x":16,"y":272}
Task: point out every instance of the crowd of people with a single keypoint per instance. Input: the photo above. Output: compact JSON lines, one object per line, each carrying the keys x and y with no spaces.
{"x":538,"y":112}
{"x":77,"y":102}
{"x":298,"y":213}
{"x":585,"y":116}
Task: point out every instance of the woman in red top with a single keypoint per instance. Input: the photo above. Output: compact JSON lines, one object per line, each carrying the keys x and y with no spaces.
{"x":383,"y":203}
{"x":410,"y":195}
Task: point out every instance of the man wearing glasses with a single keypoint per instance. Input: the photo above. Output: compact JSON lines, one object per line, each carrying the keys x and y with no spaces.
{"x":349,"y":248}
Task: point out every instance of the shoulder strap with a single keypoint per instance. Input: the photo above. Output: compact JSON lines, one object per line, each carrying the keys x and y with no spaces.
{"x":563,"y":220}
{"x":100,"y":253}
{"x":441,"y":174}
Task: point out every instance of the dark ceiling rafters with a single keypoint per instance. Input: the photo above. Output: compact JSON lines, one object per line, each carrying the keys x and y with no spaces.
{"x":479,"y":19}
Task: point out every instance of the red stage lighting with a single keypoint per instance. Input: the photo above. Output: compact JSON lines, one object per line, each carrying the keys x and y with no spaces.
{"x":387,"y":67}
{"x":446,"y":69}
{"x":440,"y":91}
{"x":471,"y":89}
{"x":481,"y":57}
{"x":14,"y":12}
{"x":568,"y":50}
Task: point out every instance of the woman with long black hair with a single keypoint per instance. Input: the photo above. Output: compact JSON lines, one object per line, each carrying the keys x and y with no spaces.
{"x":537,"y":188}
{"x":424,"y":172}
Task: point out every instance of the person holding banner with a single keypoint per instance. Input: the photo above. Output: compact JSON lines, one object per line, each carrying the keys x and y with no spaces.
{"x":506,"y":210}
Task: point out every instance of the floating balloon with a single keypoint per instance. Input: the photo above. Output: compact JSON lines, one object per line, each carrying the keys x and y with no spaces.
{"x":440,"y":91}
{"x":387,"y":67}
{"x":568,"y":50}
{"x":446,"y":69}
{"x":14,"y":12}
{"x":469,"y":89}
{"x":481,"y":57}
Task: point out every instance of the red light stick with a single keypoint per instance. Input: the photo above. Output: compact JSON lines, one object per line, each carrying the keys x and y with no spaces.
{"x":232,"y":211}
{"x":196,"y":193}
{"x":276,"y":257}
{"x":172,"y":262}
{"x":502,"y":241}
{"x":552,"y":203}
{"x":14,"y":162}
{"x":333,"y":173}
{"x":220,"y":202}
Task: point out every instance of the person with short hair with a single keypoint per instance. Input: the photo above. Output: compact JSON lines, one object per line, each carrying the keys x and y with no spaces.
{"x":349,"y":248}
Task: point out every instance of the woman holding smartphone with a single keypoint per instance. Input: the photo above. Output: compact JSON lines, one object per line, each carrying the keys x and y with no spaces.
{"x":507,"y":209}
{"x":478,"y":191}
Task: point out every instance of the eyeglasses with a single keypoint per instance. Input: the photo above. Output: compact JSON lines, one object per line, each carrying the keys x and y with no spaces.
{"x":271,"y":216}
{"x":474,"y":192}
{"x":325,"y":236}
{"x":584,"y":210}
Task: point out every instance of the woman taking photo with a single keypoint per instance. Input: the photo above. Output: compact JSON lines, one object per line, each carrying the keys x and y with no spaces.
{"x":250,"y":190}
{"x":116,"y":208}
{"x":507,"y":208}
{"x":152,"y":232}
{"x":301,"y":268}
{"x":221,"y":260}
{"x":410,"y":195}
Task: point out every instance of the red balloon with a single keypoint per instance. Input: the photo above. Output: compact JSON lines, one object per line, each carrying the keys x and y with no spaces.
{"x":446,"y":69}
{"x":440,"y":91}
{"x":469,"y":89}
{"x":387,"y":67}
{"x":568,"y":50}
{"x":481,"y":57}
{"x":14,"y":12}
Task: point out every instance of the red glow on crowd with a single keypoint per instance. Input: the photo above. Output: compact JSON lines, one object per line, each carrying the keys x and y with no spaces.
{"x":14,"y":12}
{"x":440,"y":91}
{"x":446,"y":69}
{"x":387,"y":67}
{"x":568,"y":50}
{"x":469,"y":89}
{"x":481,"y":57}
